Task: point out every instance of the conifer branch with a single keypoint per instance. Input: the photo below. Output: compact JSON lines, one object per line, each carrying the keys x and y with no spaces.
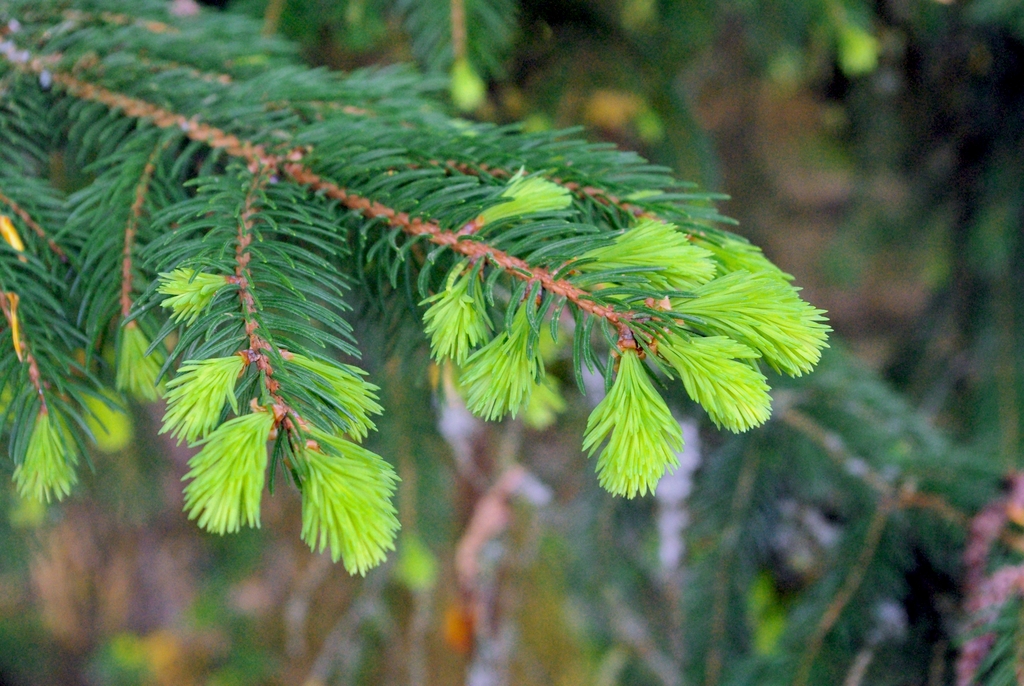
{"x":730,"y":538}
{"x":258,"y":345}
{"x":876,"y":527}
{"x":257,"y":155}
{"x":33,"y":224}
{"x":131,"y":228}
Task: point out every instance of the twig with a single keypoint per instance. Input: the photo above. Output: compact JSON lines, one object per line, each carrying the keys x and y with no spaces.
{"x":296,"y":608}
{"x":272,"y":17}
{"x":258,"y":345}
{"x":834,"y":446}
{"x":850,"y":586}
{"x":458,"y":19}
{"x":341,"y":645}
{"x":720,"y":603}
{"x":632,"y":631}
{"x":859,"y":668}
{"x":132,"y":227}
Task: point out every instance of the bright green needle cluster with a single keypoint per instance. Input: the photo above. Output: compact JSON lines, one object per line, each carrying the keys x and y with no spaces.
{"x":344,"y":383}
{"x":136,"y":371}
{"x":457,"y":320}
{"x":528,"y":195}
{"x":196,"y":396}
{"x":734,"y":255}
{"x":49,"y":465}
{"x":643,"y":437}
{"x":191,"y":292}
{"x":716,"y":375}
{"x":346,"y":502}
{"x":499,"y":377}
{"x":680,"y":265}
{"x":228,"y":474}
{"x":762,"y":312}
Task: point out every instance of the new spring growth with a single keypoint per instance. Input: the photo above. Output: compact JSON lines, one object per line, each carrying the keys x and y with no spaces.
{"x":643,"y":438}
{"x":733,"y":255}
{"x":11,"y":236}
{"x":498,"y":378}
{"x":136,"y":371}
{"x":457,"y":320}
{"x":196,"y":396}
{"x":49,"y":466}
{"x":346,"y":501}
{"x":191,"y":292}
{"x":525,"y":196}
{"x":228,"y":473}
{"x":675,"y":263}
{"x":716,"y":375}
{"x":762,"y":312}
{"x":343,"y":384}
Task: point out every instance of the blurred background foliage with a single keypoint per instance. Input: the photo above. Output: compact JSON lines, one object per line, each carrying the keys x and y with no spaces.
{"x":876,"y":151}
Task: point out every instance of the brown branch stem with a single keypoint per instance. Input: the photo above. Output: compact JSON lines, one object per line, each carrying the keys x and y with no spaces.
{"x":132,"y":227}
{"x":458,"y":24}
{"x":258,"y":345}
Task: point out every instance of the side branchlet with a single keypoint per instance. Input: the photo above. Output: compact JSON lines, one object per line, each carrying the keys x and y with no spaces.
{"x":457,"y":320}
{"x":643,"y":437}
{"x":137,"y":372}
{"x":227,"y":475}
{"x":499,"y":377}
{"x":196,"y":396}
{"x":346,"y":501}
{"x":191,"y":292}
{"x":48,"y":470}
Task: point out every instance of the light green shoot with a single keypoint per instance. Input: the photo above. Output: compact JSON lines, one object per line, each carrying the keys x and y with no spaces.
{"x":345,"y":383}
{"x":499,"y":377}
{"x":734,"y":255}
{"x":228,"y":474}
{"x":643,"y":437}
{"x":680,"y":265}
{"x":714,"y":373}
{"x":456,"y":322}
{"x":528,"y":195}
{"x":346,"y":502}
{"x":191,"y":292}
{"x":762,"y":312}
{"x":196,"y":396}
{"x":49,"y":466}
{"x":137,"y":371}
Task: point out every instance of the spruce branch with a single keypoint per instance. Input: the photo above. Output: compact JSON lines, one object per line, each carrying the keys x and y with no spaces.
{"x":278,"y":183}
{"x":290,"y":163}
